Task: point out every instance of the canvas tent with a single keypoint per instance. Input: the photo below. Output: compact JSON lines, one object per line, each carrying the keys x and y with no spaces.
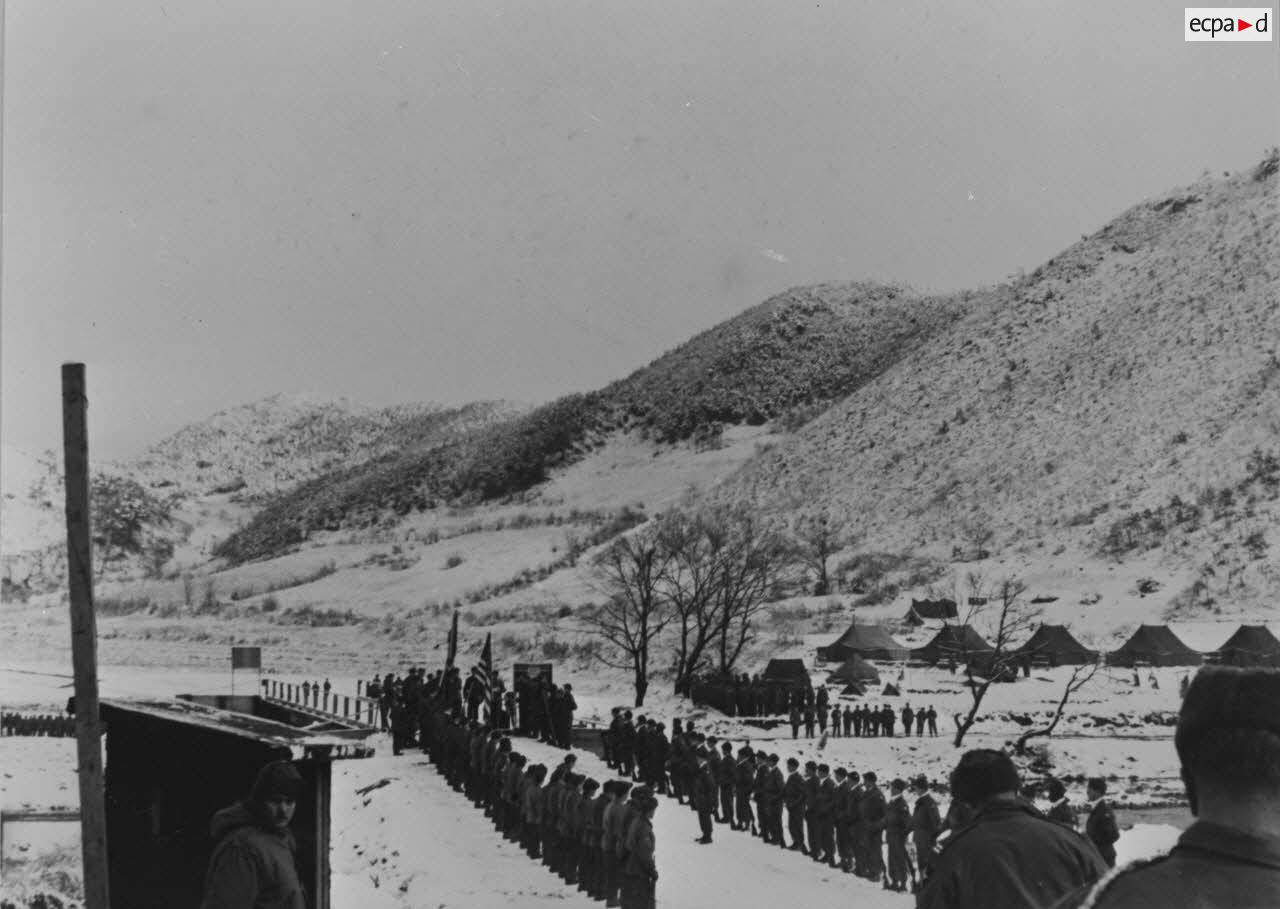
{"x":787,"y":672}
{"x":1054,"y":645}
{"x":855,"y":669}
{"x":953,"y":642}
{"x":1154,"y":645}
{"x":871,"y":642}
{"x":1251,"y":645}
{"x":924,"y":610}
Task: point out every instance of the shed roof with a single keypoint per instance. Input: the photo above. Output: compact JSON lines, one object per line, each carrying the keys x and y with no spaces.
{"x":300,"y":742}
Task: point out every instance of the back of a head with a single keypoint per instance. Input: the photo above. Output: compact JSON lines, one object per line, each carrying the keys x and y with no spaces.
{"x":983,"y":774}
{"x":1228,"y":735}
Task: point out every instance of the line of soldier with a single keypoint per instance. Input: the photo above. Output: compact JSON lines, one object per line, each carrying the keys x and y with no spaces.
{"x":44,"y":724}
{"x":861,"y":721}
{"x":596,"y":836}
{"x":840,"y":818}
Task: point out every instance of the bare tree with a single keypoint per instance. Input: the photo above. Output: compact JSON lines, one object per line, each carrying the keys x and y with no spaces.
{"x":1009,"y":616}
{"x":818,"y":536}
{"x":690,"y":547}
{"x":1080,"y":676}
{"x":753,"y":566}
{"x":628,"y":572}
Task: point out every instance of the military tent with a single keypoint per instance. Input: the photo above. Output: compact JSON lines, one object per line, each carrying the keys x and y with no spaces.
{"x":1251,"y":645}
{"x":855,"y":669}
{"x":787,"y":672}
{"x":1053,"y":645}
{"x":953,"y":642}
{"x":924,"y":610}
{"x":1154,"y":645}
{"x":871,"y":642}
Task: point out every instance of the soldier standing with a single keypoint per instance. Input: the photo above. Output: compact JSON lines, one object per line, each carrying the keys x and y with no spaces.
{"x":641,"y":873}
{"x":794,"y":797}
{"x":1060,"y":809}
{"x":704,"y":794}
{"x":724,"y":782}
{"x":926,"y":824}
{"x":773,"y":799}
{"x":744,"y":776}
{"x":844,"y":819}
{"x":826,"y":815}
{"x":875,"y":811}
{"x":932,"y":716}
{"x":1101,"y":826}
{"x":897,"y":825}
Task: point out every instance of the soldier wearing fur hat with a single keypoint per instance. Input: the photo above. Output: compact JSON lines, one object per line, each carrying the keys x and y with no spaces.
{"x":640,"y":873}
{"x":1228,"y":743}
{"x":1009,"y":854}
{"x":253,"y":865}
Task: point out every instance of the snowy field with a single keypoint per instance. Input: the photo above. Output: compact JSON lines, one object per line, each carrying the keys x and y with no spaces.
{"x":415,"y":842}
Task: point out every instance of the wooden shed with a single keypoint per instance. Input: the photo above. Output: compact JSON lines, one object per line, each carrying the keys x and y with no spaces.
{"x":171,"y":764}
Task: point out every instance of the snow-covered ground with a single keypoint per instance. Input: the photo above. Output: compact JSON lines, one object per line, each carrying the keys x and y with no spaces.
{"x":415,"y":842}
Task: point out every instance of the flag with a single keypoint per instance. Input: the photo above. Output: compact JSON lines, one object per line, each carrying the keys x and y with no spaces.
{"x":453,"y":643}
{"x":483,"y":674}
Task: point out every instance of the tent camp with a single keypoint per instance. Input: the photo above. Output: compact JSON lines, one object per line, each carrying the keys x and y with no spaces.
{"x":953,"y":642}
{"x":787,"y":672}
{"x":1053,"y":645}
{"x":1154,"y":645}
{"x":1251,"y":645}
{"x":871,"y":642}
{"x":924,"y":610}
{"x":854,"y":669}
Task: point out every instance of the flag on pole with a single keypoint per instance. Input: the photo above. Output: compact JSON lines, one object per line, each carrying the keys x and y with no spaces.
{"x":453,"y":642}
{"x":483,"y":674}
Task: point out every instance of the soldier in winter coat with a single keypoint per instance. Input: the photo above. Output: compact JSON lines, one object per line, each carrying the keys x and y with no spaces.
{"x":1228,"y":743}
{"x":1101,"y":827}
{"x":794,"y":797}
{"x":1009,"y":854}
{"x":1060,"y":809}
{"x":253,"y":865}
{"x":897,"y":826}
{"x":926,"y":824}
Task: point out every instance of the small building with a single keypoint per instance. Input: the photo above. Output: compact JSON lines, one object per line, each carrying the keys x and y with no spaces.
{"x":171,"y":764}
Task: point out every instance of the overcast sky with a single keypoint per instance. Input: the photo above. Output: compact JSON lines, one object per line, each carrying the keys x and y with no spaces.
{"x":399,"y":200}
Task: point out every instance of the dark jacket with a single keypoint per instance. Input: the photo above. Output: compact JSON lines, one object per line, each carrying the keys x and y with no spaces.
{"x":926,"y":824}
{"x":705,"y":791}
{"x":639,"y":847}
{"x":1210,"y":866}
{"x":1010,"y":857}
{"x":251,"y":867}
{"x":793,"y":793}
{"x":1062,"y":812}
{"x":1102,"y":830}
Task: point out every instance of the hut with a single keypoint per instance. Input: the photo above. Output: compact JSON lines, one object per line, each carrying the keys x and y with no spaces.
{"x":171,"y":764}
{"x":1154,"y":645}
{"x":871,"y":642}
{"x":854,"y":670}
{"x":790,"y":673}
{"x":959,"y":643}
{"x":925,"y":610}
{"x":1054,"y":645}
{"x":1251,"y":645}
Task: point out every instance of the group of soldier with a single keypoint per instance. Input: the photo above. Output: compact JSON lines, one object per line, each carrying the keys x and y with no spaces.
{"x":597,"y":836}
{"x":537,"y":707}
{"x":841,"y":818}
{"x":862,"y":720}
{"x":44,"y":724}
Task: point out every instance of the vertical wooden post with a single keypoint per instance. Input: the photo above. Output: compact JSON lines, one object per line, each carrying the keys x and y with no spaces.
{"x":346,"y":706}
{"x":84,"y":637}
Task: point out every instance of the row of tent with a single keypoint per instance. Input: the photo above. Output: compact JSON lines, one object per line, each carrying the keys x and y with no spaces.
{"x":1054,"y":645}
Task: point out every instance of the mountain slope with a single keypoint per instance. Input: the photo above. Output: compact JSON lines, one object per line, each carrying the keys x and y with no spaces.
{"x":807,"y":346}
{"x":1141,"y":364}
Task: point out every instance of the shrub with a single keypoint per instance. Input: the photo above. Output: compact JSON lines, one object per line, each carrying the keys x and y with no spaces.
{"x":555,"y":649}
{"x":270,"y":603}
{"x":113,"y":606}
{"x":453,"y":561}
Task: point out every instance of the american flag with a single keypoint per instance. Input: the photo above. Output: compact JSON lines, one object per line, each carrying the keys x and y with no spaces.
{"x":482,"y":672}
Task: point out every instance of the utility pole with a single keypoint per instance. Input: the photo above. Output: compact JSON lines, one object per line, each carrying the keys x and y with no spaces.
{"x":84,"y":637}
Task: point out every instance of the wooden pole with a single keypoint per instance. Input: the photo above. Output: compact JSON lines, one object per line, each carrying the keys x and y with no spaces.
{"x":84,"y":637}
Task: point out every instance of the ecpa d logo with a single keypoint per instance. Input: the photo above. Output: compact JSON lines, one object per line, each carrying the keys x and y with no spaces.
{"x":1226,"y":24}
